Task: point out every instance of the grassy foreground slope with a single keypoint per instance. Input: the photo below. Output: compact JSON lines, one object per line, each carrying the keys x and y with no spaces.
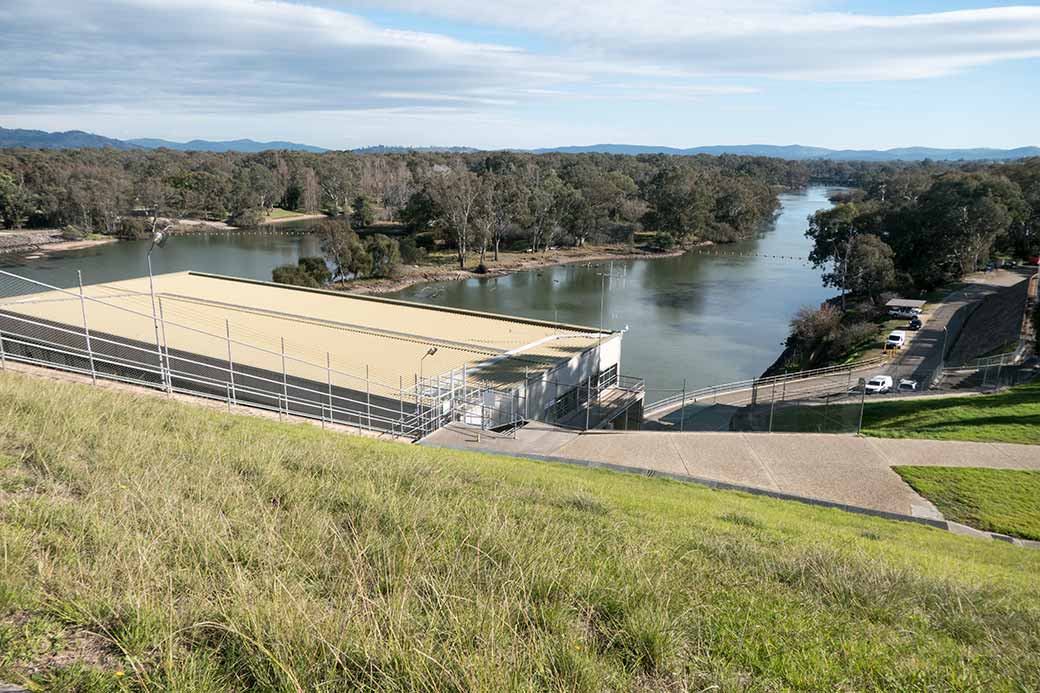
{"x":152,"y":545}
{"x":994,"y":500}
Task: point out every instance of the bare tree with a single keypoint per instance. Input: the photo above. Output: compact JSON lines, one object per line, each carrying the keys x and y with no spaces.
{"x":455,"y":190}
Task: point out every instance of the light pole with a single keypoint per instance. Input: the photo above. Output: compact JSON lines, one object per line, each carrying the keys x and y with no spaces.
{"x":429,"y":352}
{"x":158,"y":239}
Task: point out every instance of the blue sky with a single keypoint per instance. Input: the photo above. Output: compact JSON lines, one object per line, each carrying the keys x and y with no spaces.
{"x":528,"y":73}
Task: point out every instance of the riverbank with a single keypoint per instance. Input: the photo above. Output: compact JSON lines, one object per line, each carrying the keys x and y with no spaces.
{"x":437,"y":269}
{"x":38,"y":242}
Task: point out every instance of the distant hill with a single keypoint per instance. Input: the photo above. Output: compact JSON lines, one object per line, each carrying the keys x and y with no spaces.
{"x":77,"y":139}
{"x":797,"y":152}
{"x":71,"y":139}
{"x":224,"y":146}
{"x":392,"y":149}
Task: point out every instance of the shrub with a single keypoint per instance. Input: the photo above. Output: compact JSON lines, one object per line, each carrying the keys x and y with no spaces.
{"x":481,"y":269}
{"x":133,"y":228}
{"x":248,"y":218}
{"x":661,"y":241}
{"x":411,"y":253}
{"x":72,"y":233}
{"x":294,"y":275}
{"x":316,"y":267}
{"x":385,"y":254}
{"x":308,"y":271}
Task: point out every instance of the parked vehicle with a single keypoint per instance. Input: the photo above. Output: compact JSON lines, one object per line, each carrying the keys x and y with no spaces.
{"x":896,"y":340}
{"x":879,"y":385}
{"x":902,"y":312}
{"x":907,"y":385}
{"x":914,"y":324}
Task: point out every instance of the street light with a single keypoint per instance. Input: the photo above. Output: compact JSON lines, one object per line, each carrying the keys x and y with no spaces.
{"x":158,"y":240}
{"x":429,"y":352}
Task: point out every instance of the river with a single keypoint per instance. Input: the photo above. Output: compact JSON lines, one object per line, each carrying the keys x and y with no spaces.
{"x":700,"y":317}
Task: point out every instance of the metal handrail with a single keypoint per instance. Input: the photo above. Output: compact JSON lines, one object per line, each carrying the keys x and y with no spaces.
{"x":740,"y":385}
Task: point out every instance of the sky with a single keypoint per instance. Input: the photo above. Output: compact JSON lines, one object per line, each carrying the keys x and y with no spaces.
{"x":528,"y":73}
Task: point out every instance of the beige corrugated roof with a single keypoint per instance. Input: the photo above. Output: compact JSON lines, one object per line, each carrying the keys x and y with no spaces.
{"x":388,"y":336}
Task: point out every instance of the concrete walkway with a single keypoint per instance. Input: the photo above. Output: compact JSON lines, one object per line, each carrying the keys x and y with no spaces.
{"x":838,"y":468}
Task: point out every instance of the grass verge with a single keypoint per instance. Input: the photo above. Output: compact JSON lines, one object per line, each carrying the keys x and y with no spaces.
{"x":152,"y":545}
{"x":1011,"y":416}
{"x":995,"y":500}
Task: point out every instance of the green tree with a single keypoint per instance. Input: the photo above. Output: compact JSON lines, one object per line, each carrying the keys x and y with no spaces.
{"x":15,"y":202}
{"x":384,"y":254}
{"x":871,"y":269}
{"x":681,"y":202}
{"x":960,"y":217}
{"x":308,"y":271}
{"x":294,"y":275}
{"x":834,"y":232}
{"x":362,"y":212}
{"x":342,"y":248}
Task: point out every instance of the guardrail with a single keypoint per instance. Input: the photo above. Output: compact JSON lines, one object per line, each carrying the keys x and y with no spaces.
{"x":681,"y":396}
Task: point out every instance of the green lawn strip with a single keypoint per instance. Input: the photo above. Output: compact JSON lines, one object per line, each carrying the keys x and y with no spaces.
{"x":196,"y":550}
{"x":1011,"y":416}
{"x":279,"y":213}
{"x":995,"y":500}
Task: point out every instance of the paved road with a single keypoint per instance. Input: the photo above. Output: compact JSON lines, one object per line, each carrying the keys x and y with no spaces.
{"x":923,"y":356}
{"x":839,"y":468}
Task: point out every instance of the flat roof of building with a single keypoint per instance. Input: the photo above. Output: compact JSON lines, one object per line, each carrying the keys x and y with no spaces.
{"x":386,"y":337}
{"x":904,"y":303}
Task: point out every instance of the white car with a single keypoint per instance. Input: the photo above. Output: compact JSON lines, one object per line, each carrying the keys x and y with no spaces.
{"x":907,"y":385}
{"x":896,"y":340}
{"x":879,"y":385}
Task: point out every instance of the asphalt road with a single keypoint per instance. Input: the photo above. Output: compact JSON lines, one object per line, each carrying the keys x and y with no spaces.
{"x":923,"y":355}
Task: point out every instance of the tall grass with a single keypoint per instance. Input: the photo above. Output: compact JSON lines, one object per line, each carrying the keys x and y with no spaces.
{"x":151,"y":545}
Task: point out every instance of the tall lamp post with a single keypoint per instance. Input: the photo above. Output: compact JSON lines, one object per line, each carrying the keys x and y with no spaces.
{"x":158,"y":240}
{"x":429,"y":352}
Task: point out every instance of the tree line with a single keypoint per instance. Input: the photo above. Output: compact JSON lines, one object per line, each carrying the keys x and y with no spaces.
{"x":910,"y":230}
{"x":472,"y":203}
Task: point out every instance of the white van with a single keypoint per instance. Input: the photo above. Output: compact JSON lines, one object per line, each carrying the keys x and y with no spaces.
{"x":896,"y":340}
{"x":879,"y":385}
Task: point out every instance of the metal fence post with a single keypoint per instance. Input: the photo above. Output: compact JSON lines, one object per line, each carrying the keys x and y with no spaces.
{"x":231,"y":364}
{"x":368,"y":398}
{"x":155,"y":320}
{"x":328,"y":378}
{"x":166,"y":349}
{"x":527,"y":394}
{"x":3,"y":356}
{"x":86,"y":328}
{"x":682,"y":408}
{"x":772,"y":401}
{"x":588,"y":402}
{"x":285,"y":383}
{"x":400,"y":399}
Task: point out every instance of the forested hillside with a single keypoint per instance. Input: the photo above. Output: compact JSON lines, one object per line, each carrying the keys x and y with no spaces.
{"x":470,"y":198}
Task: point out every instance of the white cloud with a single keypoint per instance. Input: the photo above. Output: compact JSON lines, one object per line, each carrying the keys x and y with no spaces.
{"x":772,"y":38}
{"x":254,"y":56}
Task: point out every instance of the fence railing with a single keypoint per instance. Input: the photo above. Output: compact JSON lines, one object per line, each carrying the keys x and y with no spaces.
{"x":675,"y":397}
{"x":177,"y":357}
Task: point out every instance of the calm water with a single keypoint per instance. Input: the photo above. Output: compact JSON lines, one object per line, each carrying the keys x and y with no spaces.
{"x":708,"y":319}
{"x":251,"y":255}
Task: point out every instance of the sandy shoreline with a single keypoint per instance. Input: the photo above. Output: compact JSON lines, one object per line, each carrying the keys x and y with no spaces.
{"x":38,"y":243}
